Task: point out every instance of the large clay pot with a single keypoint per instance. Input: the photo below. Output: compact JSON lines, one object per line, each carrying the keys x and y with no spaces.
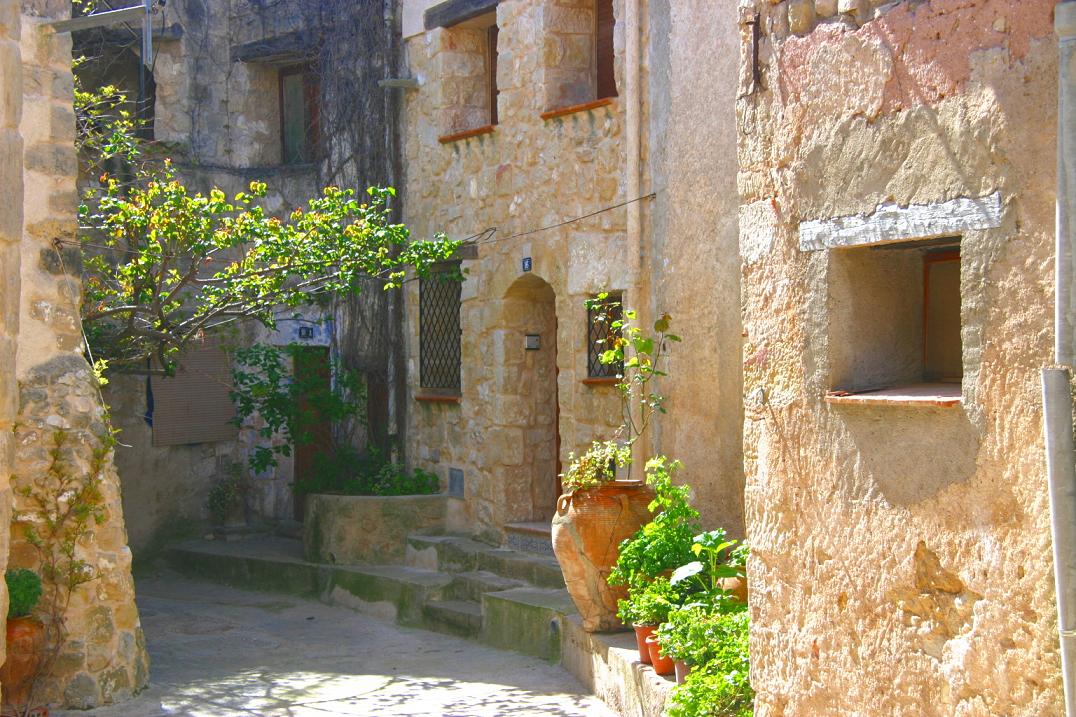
{"x":587,"y":531}
{"x":662,"y":665}
{"x":25,"y":649}
{"x":641,"y":633}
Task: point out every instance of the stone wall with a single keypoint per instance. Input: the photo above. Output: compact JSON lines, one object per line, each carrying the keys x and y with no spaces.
{"x":61,"y":416}
{"x":899,"y":551}
{"x":11,"y":186}
{"x":527,"y":174}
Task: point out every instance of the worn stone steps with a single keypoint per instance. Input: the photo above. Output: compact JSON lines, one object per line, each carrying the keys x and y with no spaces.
{"x":455,"y":554}
{"x":456,"y":617}
{"x":450,"y":584}
{"x":473,"y":584}
{"x":533,"y":537}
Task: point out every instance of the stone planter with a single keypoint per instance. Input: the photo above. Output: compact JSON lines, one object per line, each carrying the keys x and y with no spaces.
{"x":587,"y":531}
{"x":373,"y":530}
{"x":25,"y":649}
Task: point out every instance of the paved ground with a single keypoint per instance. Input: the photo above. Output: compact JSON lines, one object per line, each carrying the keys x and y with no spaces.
{"x":221,"y":652}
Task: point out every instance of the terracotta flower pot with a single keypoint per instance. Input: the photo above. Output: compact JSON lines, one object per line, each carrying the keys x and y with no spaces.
{"x":25,"y":649}
{"x":736,"y":586}
{"x":587,"y":531}
{"x":662,"y":665}
{"x":641,"y":633}
{"x":682,"y":671}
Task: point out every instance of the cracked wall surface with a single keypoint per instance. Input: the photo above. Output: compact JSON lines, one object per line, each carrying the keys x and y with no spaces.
{"x":899,"y":553}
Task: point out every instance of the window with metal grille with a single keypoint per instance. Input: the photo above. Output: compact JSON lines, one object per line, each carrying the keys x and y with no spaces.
{"x":439,"y":331}
{"x":600,"y":320}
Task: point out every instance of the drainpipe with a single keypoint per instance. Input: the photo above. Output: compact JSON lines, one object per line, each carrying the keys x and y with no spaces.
{"x":632,"y":184}
{"x":1056,"y":380}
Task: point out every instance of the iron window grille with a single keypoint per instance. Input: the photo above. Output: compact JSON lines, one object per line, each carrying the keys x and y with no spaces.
{"x":600,"y":320}
{"x":439,"y":331}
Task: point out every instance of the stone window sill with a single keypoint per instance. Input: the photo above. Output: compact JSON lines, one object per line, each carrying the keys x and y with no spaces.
{"x":453,"y":399}
{"x":466,"y":134}
{"x":572,"y":109}
{"x":918,"y":395}
{"x":603,"y":381}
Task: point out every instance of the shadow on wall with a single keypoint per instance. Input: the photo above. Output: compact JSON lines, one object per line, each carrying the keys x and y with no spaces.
{"x":911,"y":454}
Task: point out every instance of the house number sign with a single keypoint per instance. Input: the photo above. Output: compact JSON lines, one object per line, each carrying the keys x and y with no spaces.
{"x":527,"y":263}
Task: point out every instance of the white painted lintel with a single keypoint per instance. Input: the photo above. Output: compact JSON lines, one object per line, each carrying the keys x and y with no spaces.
{"x":892,"y":223}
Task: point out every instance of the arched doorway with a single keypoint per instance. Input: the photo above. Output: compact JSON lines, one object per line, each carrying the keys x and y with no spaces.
{"x":530,"y":398}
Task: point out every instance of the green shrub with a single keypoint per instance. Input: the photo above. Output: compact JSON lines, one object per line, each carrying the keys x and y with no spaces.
{"x":225,"y":494}
{"x":24,"y":591}
{"x":346,"y":471}
{"x":721,"y":686}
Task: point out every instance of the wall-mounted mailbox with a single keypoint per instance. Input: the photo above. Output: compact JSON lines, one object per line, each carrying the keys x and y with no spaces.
{"x":534,"y":342}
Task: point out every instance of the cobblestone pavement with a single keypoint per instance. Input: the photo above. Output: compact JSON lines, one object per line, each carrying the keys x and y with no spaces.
{"x":223,"y":652}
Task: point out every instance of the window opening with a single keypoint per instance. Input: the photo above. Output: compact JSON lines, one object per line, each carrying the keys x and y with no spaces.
{"x":600,"y":332}
{"x":439,"y":330}
{"x":604,"y":49}
{"x":299,"y":115}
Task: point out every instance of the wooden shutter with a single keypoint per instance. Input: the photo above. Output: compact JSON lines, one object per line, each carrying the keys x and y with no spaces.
{"x":491,"y":50}
{"x":195,"y":405}
{"x":604,"y":49}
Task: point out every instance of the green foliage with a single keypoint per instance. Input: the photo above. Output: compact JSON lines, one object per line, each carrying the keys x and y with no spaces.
{"x":665,"y":542}
{"x":179,"y":263}
{"x":720,"y":685}
{"x":719,"y":558}
{"x":345,"y":471}
{"x":284,"y":388}
{"x":226,"y":494}
{"x":23,"y":590}
{"x":597,"y":465}
{"x":640,"y":354}
{"x":649,"y":604}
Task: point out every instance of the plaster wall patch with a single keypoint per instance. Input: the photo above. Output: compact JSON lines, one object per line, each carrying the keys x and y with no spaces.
{"x":893,"y":223}
{"x":758,"y":230}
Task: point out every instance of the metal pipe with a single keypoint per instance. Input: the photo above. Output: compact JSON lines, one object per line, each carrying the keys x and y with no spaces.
{"x":632,"y":183}
{"x":1056,"y":381}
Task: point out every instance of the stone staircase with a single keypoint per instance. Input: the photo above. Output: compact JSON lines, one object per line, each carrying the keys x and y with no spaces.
{"x":504,"y":597}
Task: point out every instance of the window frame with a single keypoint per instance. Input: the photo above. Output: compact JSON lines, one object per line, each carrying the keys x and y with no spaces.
{"x":598,"y":372}
{"x":311,"y":113}
{"x":427,"y":383}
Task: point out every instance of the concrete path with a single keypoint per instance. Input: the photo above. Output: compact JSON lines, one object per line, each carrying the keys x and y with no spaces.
{"x":222,"y":652}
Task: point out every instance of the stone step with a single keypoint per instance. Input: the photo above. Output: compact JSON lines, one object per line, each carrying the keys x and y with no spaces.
{"x":472,"y":585}
{"x":453,"y":554}
{"x":275,"y":564}
{"x":534,"y":538}
{"x":526,"y":619}
{"x":455,"y":617}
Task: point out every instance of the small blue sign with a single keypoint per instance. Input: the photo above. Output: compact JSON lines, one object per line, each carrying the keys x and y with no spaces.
{"x":527,"y":264}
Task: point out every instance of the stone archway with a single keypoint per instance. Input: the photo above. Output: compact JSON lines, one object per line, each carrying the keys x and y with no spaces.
{"x":530,"y":399}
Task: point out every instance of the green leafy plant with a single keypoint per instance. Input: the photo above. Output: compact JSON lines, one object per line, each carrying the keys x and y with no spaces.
{"x":718,"y":559}
{"x":596,"y":466}
{"x":284,"y":387}
{"x":226,"y":494}
{"x":640,"y":356}
{"x":60,"y":508}
{"x":719,"y":684}
{"x":24,"y":592}
{"x":346,"y":471}
{"x":649,"y":604}
{"x":665,"y":543}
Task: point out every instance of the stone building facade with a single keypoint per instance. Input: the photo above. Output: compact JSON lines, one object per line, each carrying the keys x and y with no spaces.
{"x":60,"y":417}
{"x":897,"y":178}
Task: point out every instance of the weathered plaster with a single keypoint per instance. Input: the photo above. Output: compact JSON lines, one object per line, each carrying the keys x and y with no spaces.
{"x":900,"y":551}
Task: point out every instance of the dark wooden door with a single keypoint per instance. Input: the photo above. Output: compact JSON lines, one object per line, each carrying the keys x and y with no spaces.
{"x":311,"y":365}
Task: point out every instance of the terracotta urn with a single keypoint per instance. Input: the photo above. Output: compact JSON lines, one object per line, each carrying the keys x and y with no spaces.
{"x":662,"y":665}
{"x":25,"y":649}
{"x":641,"y":633}
{"x":587,"y":531}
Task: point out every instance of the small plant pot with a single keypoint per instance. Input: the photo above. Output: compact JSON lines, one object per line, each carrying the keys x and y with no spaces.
{"x":641,"y":633}
{"x":25,"y":649}
{"x":682,"y":671}
{"x":662,"y":665}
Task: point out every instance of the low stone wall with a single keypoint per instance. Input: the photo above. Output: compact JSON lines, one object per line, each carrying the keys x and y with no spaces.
{"x":373,"y":530}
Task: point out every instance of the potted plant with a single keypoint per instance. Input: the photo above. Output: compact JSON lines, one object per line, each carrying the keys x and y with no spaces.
{"x":226,"y":505}
{"x":646,"y":608}
{"x":600,"y":508}
{"x":25,"y":639}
